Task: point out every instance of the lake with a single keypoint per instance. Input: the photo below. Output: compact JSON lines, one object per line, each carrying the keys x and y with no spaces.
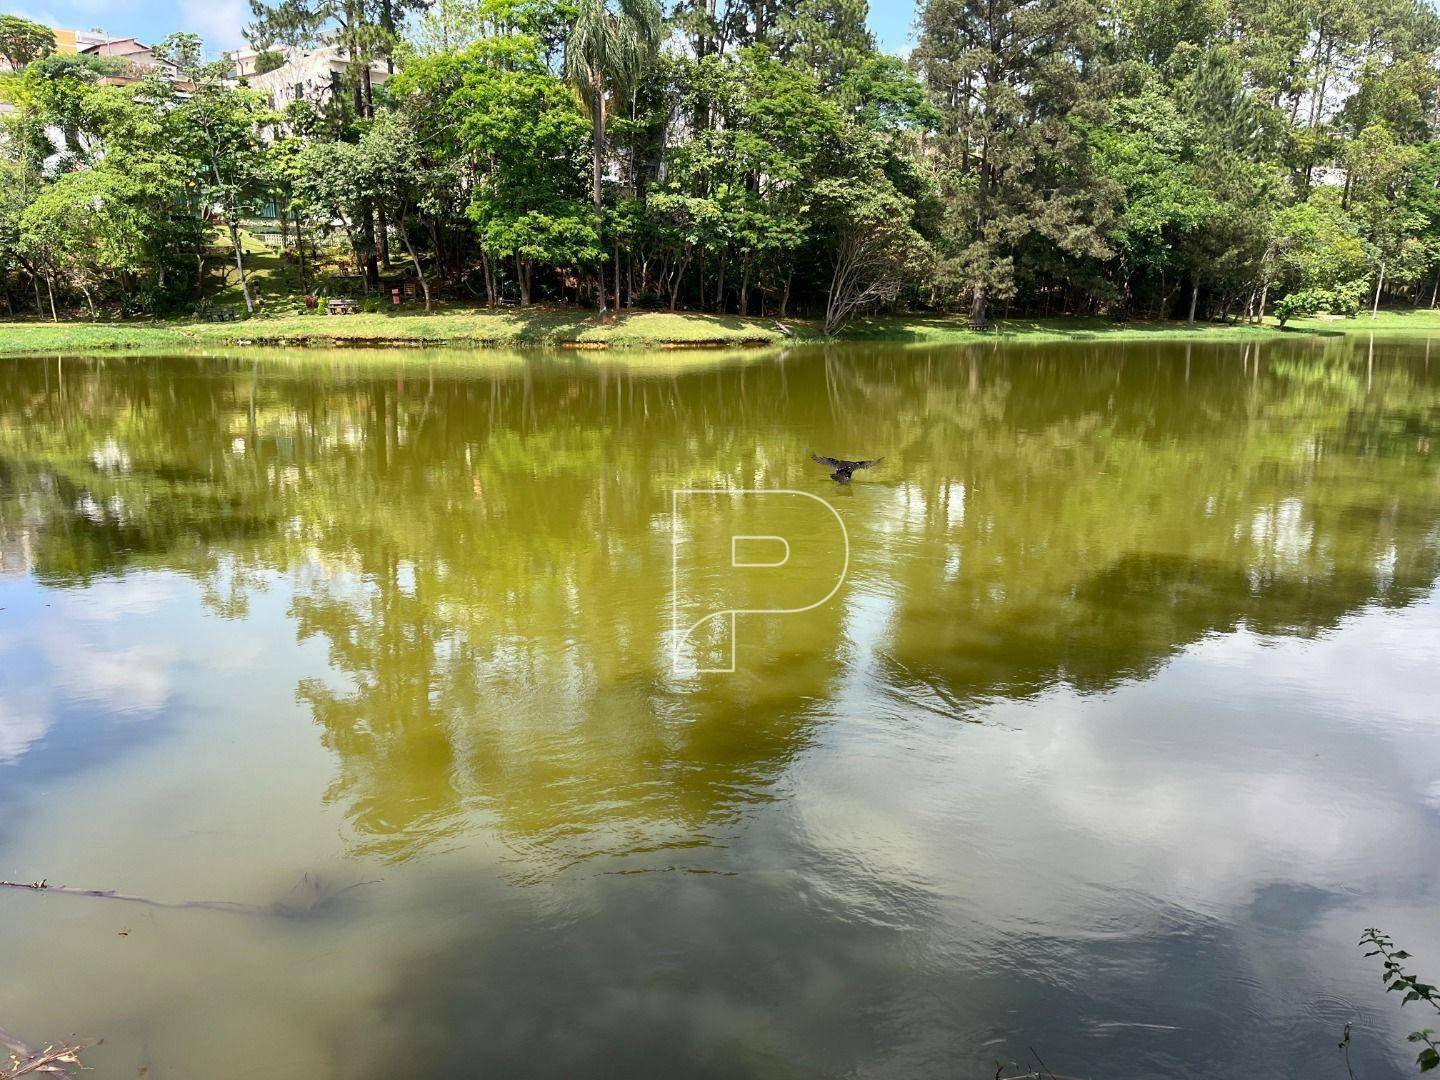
{"x":1108,"y":724}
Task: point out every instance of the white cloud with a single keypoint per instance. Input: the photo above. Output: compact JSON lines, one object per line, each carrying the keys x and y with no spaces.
{"x":219,"y":22}
{"x":44,"y":15}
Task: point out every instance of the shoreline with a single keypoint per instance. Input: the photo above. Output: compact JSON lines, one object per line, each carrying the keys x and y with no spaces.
{"x":575,"y":330}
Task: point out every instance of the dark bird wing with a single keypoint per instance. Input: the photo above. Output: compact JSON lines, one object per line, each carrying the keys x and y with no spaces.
{"x":842,"y":464}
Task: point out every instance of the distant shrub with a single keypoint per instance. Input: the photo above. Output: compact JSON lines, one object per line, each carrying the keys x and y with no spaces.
{"x":1344,"y":299}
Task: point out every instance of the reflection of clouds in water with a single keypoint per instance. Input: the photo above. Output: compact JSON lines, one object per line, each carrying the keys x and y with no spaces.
{"x":1195,"y":788}
{"x":110,"y":456}
{"x":110,"y":600}
{"x":1432,"y":795}
{"x":22,"y":725}
{"x":125,"y":679}
{"x":60,"y":658}
{"x":1283,"y":530}
{"x":129,"y":680}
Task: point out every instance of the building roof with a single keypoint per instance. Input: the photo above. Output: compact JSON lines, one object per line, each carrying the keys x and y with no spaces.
{"x":119,"y":47}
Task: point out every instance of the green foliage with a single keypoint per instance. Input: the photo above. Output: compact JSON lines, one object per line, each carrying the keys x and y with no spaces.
{"x":1397,"y":977}
{"x":1013,"y":164}
{"x":522,"y":139}
{"x":23,"y":41}
{"x":1180,"y":158}
{"x":827,"y":38}
{"x":88,"y":225}
{"x":268,"y":60}
{"x":1343,"y":299}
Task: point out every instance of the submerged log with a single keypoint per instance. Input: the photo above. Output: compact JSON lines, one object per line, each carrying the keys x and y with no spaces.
{"x":311,"y":897}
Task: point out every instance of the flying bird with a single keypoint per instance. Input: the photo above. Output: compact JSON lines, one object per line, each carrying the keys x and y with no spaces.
{"x":844,"y":469}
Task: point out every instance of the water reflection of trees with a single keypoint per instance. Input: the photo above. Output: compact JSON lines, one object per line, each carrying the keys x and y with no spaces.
{"x":487,"y":556}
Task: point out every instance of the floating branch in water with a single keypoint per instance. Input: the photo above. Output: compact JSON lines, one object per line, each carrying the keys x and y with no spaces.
{"x":49,"y":1061}
{"x":312,"y":897}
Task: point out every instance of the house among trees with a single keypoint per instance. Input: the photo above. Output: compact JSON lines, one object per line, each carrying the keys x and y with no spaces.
{"x":316,"y":76}
{"x":138,"y":59}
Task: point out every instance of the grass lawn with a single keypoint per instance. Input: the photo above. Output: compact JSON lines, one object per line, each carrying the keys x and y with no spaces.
{"x":456,"y":326}
{"x":933,"y":330}
{"x":464,"y":326}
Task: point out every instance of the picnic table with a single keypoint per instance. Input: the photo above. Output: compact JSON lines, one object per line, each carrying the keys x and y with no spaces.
{"x":341,"y":306}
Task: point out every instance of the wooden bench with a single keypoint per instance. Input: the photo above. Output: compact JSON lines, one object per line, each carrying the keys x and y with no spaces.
{"x":341,"y":307}
{"x":219,"y":312}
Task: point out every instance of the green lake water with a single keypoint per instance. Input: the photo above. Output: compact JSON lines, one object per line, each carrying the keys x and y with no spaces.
{"x":1110,"y":724}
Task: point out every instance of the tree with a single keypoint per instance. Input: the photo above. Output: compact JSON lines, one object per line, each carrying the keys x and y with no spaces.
{"x":877,"y":252}
{"x":84,"y":227}
{"x":223,"y":125}
{"x":1317,"y":257}
{"x":268,"y":60}
{"x":1006,"y":76}
{"x":398,"y":174}
{"x":512,"y":129}
{"x":1146,"y":148}
{"x":828,"y":38}
{"x":1380,"y":168}
{"x":23,"y":41}
{"x":329,"y":185}
{"x":605,"y":55}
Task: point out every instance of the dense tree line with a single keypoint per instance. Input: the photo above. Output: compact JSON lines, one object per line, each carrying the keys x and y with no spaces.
{"x":1137,"y":158}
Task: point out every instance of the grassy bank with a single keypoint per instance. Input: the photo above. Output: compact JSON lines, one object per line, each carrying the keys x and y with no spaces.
{"x":461,"y":327}
{"x":927,"y":330}
{"x":464,"y":327}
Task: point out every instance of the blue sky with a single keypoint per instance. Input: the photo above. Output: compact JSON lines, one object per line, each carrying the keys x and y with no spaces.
{"x":219,"y":21}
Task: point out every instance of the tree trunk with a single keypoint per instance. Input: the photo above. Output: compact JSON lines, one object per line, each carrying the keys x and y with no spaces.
{"x":597,"y":122}
{"x":300,"y":251}
{"x":1194,"y":300}
{"x":355,"y":251}
{"x":1264,"y":294}
{"x":419,"y":270}
{"x":979,"y":306}
{"x":372,"y":264}
{"x":675,"y":285}
{"x":50,"y":288}
{"x":524,"y":280}
{"x":1379,"y":285}
{"x":240,"y":266}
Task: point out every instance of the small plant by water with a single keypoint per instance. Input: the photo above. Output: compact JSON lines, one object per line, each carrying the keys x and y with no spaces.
{"x":1397,"y":977}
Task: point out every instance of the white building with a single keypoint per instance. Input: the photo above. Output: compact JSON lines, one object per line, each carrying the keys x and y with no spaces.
{"x":314,"y":76}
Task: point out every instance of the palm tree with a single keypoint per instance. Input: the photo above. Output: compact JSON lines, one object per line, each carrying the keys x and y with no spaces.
{"x":606,"y":53}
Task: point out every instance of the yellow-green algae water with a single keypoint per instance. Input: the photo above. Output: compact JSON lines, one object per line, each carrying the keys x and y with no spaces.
{"x":1119,"y":728}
